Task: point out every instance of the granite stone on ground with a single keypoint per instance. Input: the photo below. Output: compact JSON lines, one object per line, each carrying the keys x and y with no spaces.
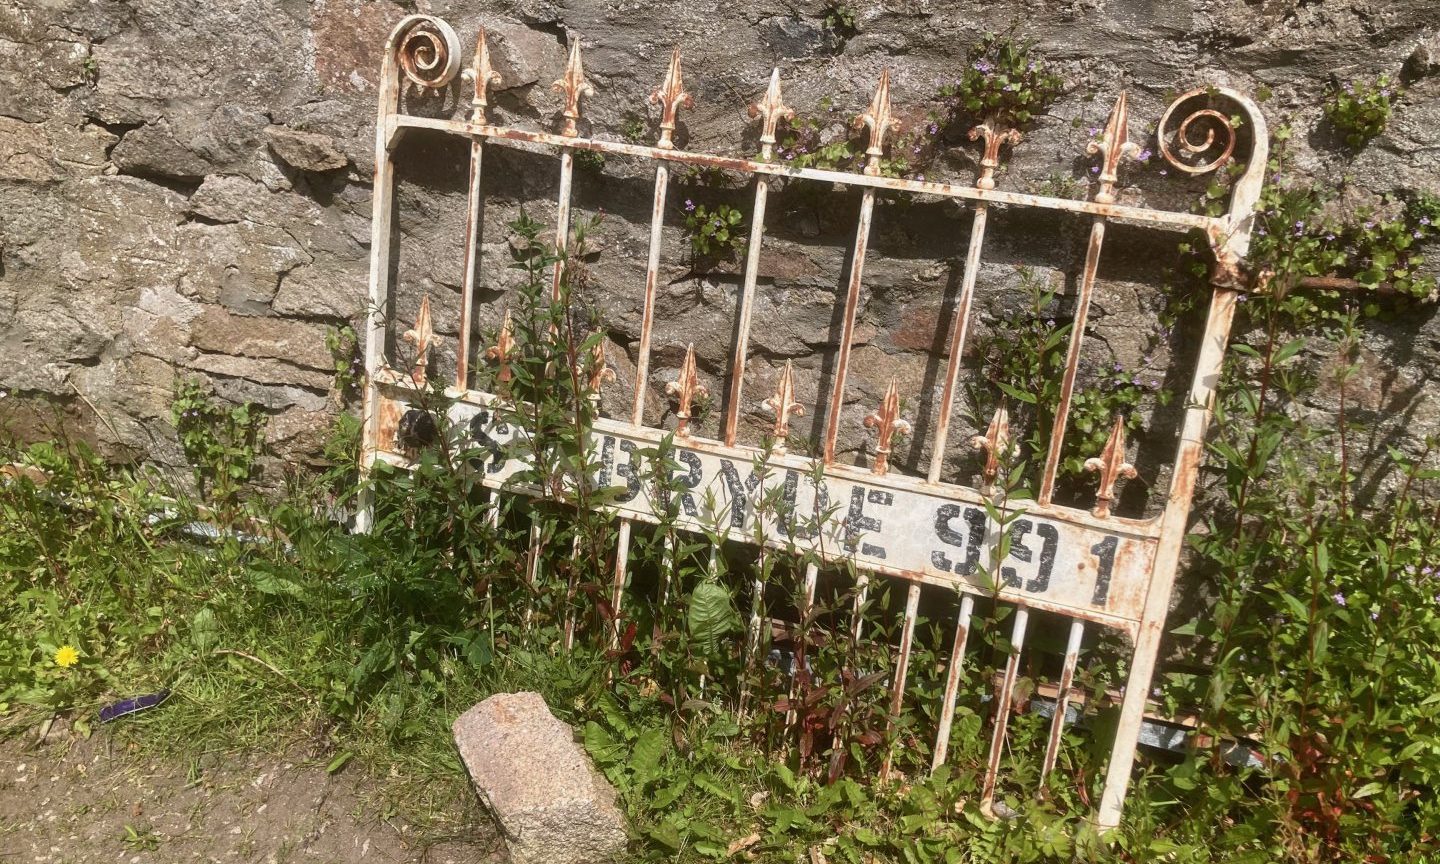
{"x":552,"y":805}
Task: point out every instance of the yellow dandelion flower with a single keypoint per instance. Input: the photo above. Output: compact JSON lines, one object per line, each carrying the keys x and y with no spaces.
{"x":67,"y":656}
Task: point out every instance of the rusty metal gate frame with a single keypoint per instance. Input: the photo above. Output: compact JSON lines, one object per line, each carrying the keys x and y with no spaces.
{"x":1139,"y":556}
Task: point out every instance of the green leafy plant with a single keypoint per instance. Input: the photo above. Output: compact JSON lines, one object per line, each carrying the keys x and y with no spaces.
{"x":592,"y":161}
{"x":222,"y":444}
{"x":344,"y":348}
{"x":1003,"y":82}
{"x":840,"y":18}
{"x":1361,"y":109}
{"x":717,"y":231}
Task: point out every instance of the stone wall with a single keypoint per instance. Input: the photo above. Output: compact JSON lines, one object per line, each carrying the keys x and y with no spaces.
{"x":185,"y":190}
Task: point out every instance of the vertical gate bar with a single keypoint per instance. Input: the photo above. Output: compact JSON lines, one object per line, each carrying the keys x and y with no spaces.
{"x":472,"y":264}
{"x":877,"y":118}
{"x":381,"y":222}
{"x":562,"y":220}
{"x":807,"y":603}
{"x":857,"y":610}
{"x":652,"y":275}
{"x":1072,"y":362}
{"x":1062,"y":699}
{"x":994,"y":137}
{"x":1002,"y":709}
{"x":573,"y":86}
{"x":481,"y":75}
{"x":847,"y":330}
{"x":957,"y":340}
{"x":1167,"y":553}
{"x":617,"y":589}
{"x":532,"y":565}
{"x":771,"y":109}
{"x":1229,"y":246}
{"x":1113,"y":145}
{"x":752,"y":637}
{"x":747,"y":297}
{"x":902,"y":671}
{"x":571,"y":589}
{"x":952,"y":680}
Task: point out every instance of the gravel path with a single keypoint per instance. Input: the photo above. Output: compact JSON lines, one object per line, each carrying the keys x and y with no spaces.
{"x":69,"y":799}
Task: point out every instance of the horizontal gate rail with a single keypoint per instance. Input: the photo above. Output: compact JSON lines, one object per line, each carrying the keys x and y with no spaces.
{"x":1091,"y":566}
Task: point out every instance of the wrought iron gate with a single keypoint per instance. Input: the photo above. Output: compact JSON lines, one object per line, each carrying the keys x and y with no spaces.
{"x":1094,"y":568}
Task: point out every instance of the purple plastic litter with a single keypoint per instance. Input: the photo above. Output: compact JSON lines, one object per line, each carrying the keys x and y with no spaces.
{"x":119,"y":709}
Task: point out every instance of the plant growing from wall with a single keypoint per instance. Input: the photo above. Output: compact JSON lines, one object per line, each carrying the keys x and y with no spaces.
{"x":344,"y":348}
{"x":223,"y":444}
{"x":1002,"y":82}
{"x":1361,"y":109}
{"x":716,"y":231}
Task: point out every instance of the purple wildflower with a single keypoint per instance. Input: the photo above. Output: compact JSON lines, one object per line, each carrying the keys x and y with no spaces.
{"x":1144,"y":155}
{"x":983,"y":67}
{"x":1094,"y":130}
{"x":689,"y":206}
{"x":1339,"y":599}
{"x":1094,"y":169}
{"x":920,"y":177}
{"x":1374,"y":616}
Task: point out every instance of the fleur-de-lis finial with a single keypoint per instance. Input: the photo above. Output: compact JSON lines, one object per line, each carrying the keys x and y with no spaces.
{"x":994,"y":137}
{"x":481,"y":74}
{"x":878,"y":118}
{"x":503,"y":349}
{"x":784,"y":405}
{"x":671,"y":97}
{"x":420,"y":336}
{"x":573,"y":85}
{"x":600,"y":374}
{"x":1112,"y":467}
{"x":996,"y":444}
{"x":771,"y":109}
{"x":886,"y":422}
{"x":1113,"y":144}
{"x":684,"y":390}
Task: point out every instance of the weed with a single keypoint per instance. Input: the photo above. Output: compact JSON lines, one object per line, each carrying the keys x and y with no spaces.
{"x":1360,"y":110}
{"x":715,"y":232}
{"x":223,"y":445}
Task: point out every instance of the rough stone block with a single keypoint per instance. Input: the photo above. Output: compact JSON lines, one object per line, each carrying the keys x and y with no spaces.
{"x":552,"y":805}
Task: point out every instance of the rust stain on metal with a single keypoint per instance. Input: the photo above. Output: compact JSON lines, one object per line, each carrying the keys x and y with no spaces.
{"x":994,"y":137}
{"x":879,"y":120}
{"x":887,"y":423}
{"x":572,"y":86}
{"x":671,"y":97}
{"x":684,"y":390}
{"x":600,"y":374}
{"x":1112,"y":468}
{"x":996,"y":444}
{"x":503,"y":350}
{"x":784,"y":405}
{"x":1137,"y":558}
{"x":481,"y":76}
{"x":771,"y":109}
{"x":1113,"y":144}
{"x":420,"y":336}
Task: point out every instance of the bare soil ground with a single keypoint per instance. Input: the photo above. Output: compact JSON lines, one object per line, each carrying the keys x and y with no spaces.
{"x":73,"y":799}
